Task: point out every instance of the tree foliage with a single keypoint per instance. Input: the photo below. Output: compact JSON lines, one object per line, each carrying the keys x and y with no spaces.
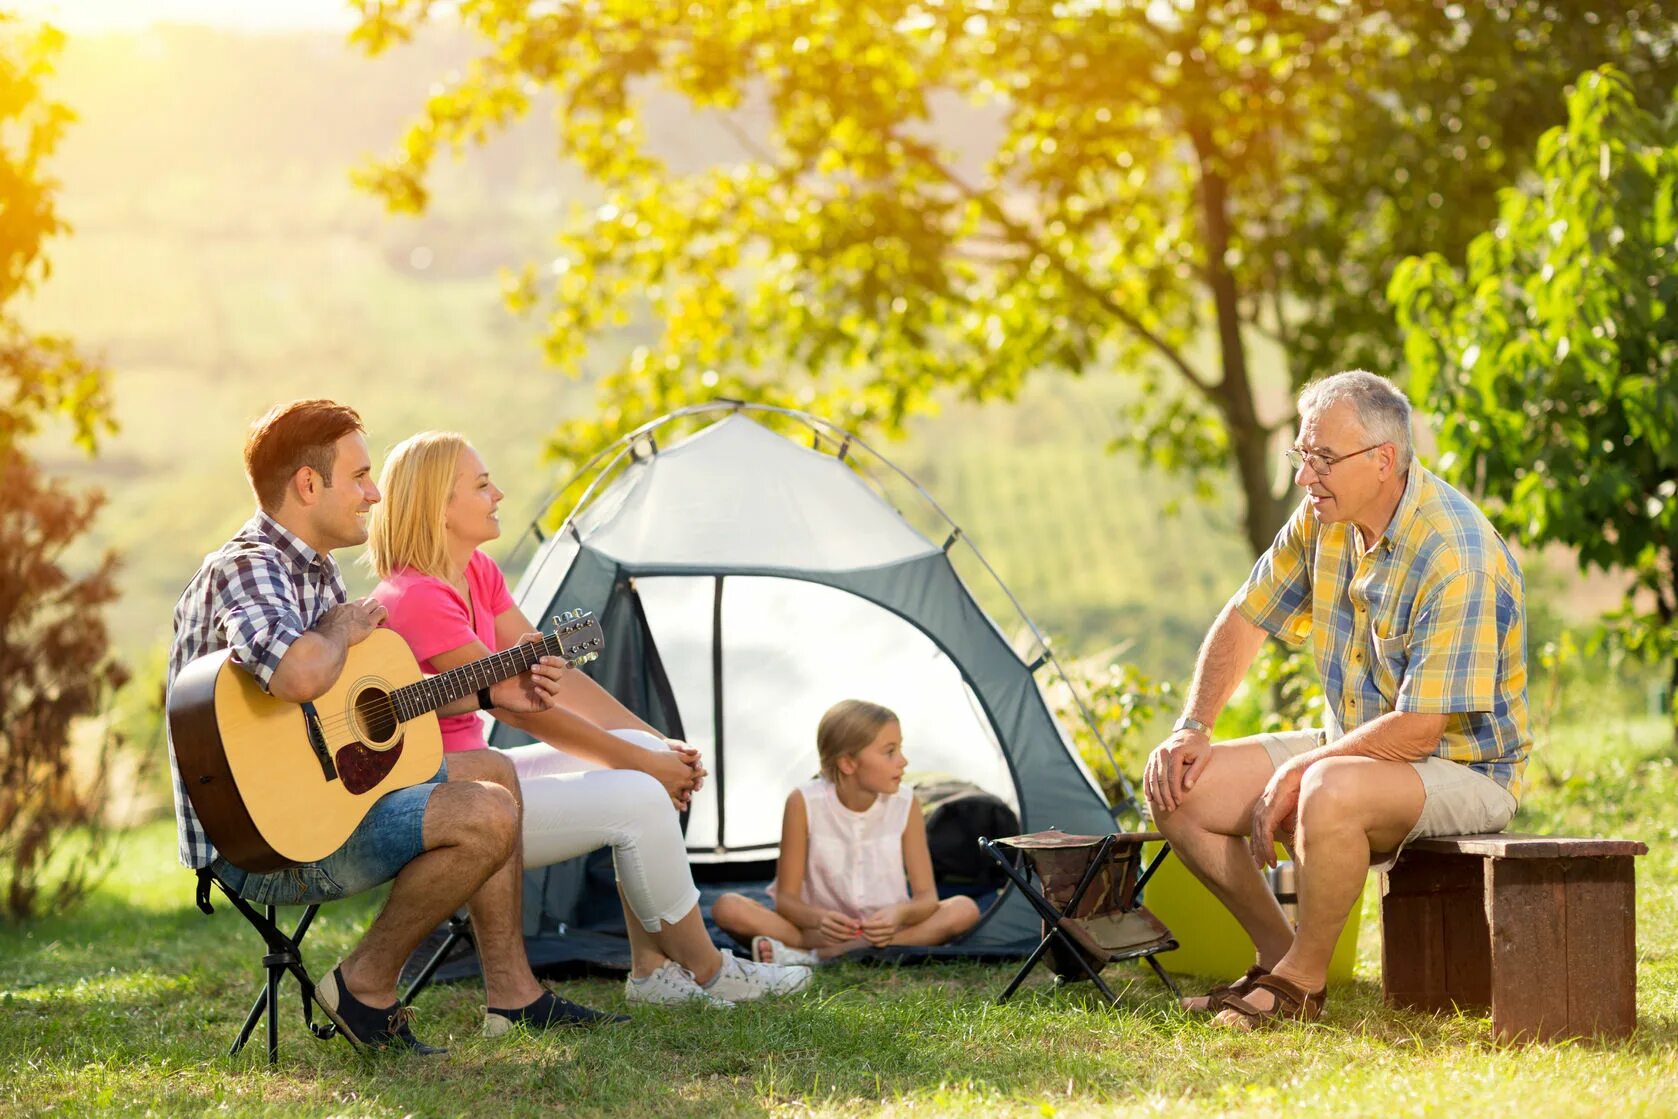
{"x":1552,"y":356}
{"x":41,"y":375}
{"x":55,"y":663}
{"x":932,"y":193}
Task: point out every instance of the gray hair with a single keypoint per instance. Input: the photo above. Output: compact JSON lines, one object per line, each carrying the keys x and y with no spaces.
{"x":1381,"y":409}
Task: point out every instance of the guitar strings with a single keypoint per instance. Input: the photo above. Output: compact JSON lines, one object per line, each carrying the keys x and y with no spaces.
{"x":385,"y":706}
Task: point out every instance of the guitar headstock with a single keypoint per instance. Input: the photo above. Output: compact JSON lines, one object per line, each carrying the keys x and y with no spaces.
{"x":579,"y":636}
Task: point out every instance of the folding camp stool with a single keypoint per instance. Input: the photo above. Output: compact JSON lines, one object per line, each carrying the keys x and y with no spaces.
{"x":285,"y":956}
{"x":1090,"y":900}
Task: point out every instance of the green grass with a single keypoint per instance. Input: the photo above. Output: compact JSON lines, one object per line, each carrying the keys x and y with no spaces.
{"x":129,"y":1003}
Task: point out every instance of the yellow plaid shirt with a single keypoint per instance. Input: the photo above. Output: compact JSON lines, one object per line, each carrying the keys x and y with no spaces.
{"x":1431,"y":620}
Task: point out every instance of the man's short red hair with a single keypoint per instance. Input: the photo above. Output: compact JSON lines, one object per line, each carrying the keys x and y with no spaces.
{"x":291,"y":436}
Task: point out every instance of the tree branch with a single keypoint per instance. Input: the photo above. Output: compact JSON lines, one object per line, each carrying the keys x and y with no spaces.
{"x":1075,"y":278}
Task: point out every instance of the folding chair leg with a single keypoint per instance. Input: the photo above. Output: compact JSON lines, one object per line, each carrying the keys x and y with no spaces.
{"x":1025,"y":970}
{"x":249,"y":1027}
{"x":1170,"y":985}
{"x":273,"y":1006}
{"x":460,"y":928}
{"x":1153,"y":865}
{"x":1078,"y":957}
{"x":283,"y":958}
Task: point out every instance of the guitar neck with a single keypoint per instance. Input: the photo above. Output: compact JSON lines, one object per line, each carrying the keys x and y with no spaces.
{"x":445,"y":687}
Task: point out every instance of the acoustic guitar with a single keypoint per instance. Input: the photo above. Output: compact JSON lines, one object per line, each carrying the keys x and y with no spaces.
{"x":276,"y":784}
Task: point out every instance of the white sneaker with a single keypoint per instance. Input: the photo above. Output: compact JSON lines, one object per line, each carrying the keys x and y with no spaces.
{"x":670,"y":985}
{"x":766,"y":949}
{"x":743,"y":980}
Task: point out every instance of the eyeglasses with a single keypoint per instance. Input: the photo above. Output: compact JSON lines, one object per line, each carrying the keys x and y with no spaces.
{"x":1322,"y":463}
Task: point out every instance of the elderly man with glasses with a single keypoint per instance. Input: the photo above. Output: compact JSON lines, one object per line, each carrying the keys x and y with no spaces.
{"x":1413,"y":607}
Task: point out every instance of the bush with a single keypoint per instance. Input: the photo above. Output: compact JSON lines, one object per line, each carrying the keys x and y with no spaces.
{"x":55,"y":668}
{"x":1127,"y":707}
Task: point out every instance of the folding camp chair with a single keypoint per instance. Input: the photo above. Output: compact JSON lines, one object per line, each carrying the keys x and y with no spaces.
{"x":1089,"y":897}
{"x":285,"y":955}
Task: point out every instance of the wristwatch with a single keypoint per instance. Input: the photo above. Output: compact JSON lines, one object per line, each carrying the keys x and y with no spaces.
{"x":1189,"y":722}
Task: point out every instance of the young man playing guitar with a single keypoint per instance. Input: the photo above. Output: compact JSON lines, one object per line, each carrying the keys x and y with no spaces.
{"x":273,"y":595}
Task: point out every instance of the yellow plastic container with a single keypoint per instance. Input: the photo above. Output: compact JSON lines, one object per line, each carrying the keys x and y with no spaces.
{"x":1213,"y":942}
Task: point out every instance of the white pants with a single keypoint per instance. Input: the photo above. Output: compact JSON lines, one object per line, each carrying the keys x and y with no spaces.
{"x":572,"y":807}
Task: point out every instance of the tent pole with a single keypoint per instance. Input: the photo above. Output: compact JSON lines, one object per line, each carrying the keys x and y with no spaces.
{"x":716,"y":713}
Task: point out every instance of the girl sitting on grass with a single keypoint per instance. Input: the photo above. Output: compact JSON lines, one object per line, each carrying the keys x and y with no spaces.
{"x":854,"y":870}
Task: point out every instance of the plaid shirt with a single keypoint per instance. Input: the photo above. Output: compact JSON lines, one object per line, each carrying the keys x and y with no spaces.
{"x":256,"y":595}
{"x":1430,"y":620}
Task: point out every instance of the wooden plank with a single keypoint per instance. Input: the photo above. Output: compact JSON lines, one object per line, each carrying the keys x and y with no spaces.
{"x":1601,"y":947}
{"x":1412,"y":951}
{"x":1504,"y":845}
{"x":1468,"y":947}
{"x":1526,"y":907}
{"x":1434,"y":948}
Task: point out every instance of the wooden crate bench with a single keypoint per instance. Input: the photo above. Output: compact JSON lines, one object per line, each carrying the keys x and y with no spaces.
{"x":1541,"y":929}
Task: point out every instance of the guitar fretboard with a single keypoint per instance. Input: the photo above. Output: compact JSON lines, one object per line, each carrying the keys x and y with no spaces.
{"x":444,"y":688}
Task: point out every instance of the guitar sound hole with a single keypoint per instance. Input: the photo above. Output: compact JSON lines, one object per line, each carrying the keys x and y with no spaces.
{"x":376,"y":715}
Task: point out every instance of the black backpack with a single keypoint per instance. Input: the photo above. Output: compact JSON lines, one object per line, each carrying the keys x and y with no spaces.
{"x":957,"y":814}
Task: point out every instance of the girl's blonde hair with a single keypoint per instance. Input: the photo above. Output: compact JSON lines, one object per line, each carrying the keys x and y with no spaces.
{"x":405,"y":528}
{"x":847,"y":729}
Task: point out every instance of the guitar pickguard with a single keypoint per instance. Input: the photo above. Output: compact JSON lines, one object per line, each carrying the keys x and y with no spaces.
{"x":361,"y":768}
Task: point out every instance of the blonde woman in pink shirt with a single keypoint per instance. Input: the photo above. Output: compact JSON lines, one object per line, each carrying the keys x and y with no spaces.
{"x":854,"y":870}
{"x":595,"y":776}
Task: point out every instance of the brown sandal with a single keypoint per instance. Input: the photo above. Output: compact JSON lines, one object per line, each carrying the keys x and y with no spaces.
{"x":1292,"y":1003}
{"x":1211,"y":1001}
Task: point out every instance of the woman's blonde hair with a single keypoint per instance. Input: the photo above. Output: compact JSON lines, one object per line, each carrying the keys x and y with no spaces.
{"x":846,"y":730}
{"x":406,"y":526}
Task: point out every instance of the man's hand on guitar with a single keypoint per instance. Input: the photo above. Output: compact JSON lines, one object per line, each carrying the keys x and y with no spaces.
{"x":355,"y":621}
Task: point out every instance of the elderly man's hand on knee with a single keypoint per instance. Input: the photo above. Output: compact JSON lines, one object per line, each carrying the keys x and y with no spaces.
{"x":1275,"y":811}
{"x":1173,"y":768}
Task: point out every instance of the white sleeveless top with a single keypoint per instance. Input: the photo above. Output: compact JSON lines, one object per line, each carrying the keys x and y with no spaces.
{"x":855,"y":861}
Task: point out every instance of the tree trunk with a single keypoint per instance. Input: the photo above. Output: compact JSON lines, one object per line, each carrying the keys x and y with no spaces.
{"x":1672,"y":704}
{"x":1249,"y":439}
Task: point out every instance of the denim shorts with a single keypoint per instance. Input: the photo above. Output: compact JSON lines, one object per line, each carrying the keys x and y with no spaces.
{"x":1457,"y":800}
{"x":389,"y":837}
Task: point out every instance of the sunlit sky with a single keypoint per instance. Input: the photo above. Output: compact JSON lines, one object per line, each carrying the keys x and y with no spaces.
{"x":254,"y":15}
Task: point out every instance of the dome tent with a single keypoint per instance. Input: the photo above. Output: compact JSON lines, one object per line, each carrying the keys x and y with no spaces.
{"x":745,"y":582}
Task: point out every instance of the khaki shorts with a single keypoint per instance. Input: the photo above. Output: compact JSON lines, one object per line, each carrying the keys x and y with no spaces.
{"x":1457,"y":800}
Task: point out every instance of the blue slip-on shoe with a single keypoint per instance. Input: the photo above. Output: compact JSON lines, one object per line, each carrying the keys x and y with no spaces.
{"x":369,"y":1027}
{"x":549,"y":1011}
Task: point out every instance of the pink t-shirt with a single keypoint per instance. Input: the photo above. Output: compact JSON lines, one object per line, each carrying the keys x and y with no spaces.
{"x":433,"y":618}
